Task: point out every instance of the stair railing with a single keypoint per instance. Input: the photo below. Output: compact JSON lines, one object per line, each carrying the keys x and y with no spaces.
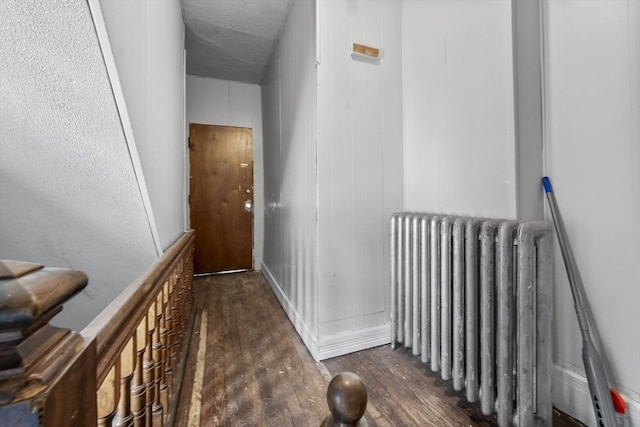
{"x":141,"y":339}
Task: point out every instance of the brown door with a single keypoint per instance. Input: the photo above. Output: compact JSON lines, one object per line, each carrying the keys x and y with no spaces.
{"x":221,"y":198}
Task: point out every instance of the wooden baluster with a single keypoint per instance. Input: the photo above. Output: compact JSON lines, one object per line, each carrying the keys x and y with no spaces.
{"x":164,"y":348}
{"x":347,"y":399}
{"x":180,"y":324}
{"x":149,"y":365}
{"x":138,"y":389}
{"x":185,"y":296}
{"x":180,"y":309}
{"x":172,"y":325}
{"x":177,"y":316}
{"x":188,"y":279}
{"x":124,"y":417}
{"x":183,"y":299}
{"x":157,"y":409}
{"x":168,"y":320}
{"x":107,"y":396}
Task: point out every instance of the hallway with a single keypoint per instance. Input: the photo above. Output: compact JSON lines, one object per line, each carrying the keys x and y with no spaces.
{"x":257,"y":372}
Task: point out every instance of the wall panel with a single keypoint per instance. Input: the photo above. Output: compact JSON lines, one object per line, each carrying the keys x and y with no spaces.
{"x":147,"y":41}
{"x":458,"y":107}
{"x":289,"y":122}
{"x":359,"y":170}
{"x":69,"y":196}
{"x":592,"y":156}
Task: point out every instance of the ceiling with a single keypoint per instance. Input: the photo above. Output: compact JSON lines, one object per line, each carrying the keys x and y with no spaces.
{"x":232,"y":39}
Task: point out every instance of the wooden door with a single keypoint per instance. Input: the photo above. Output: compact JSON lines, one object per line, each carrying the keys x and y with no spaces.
{"x":221,"y":197}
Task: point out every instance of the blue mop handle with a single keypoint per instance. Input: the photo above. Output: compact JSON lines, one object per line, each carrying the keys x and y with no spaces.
{"x":596,"y":377}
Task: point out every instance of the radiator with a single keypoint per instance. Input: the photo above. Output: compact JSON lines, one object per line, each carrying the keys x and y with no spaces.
{"x":472,"y":298}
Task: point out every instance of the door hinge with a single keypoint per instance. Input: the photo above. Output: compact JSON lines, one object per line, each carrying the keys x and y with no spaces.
{"x":189,"y":142}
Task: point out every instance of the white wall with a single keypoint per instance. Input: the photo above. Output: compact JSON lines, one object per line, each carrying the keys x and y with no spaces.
{"x":359,"y":171}
{"x":147,"y":41}
{"x":290,"y":176}
{"x":68,"y":190}
{"x":329,"y":194}
{"x":528,"y":117}
{"x":459,"y":153}
{"x":458,"y":107}
{"x":227,"y":103}
{"x":592,"y":93}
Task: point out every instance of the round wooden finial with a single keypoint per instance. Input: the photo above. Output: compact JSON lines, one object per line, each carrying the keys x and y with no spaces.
{"x":347,"y":400}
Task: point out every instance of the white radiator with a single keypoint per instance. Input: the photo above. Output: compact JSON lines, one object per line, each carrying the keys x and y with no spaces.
{"x":472,"y":298}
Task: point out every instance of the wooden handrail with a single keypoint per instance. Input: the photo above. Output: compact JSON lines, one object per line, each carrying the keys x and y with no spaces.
{"x":113,"y":327}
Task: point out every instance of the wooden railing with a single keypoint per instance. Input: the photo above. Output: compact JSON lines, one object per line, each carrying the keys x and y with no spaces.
{"x":141,"y":339}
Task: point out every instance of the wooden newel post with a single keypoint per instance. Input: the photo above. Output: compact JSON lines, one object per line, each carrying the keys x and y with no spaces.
{"x":347,"y":400}
{"x":47,"y":374}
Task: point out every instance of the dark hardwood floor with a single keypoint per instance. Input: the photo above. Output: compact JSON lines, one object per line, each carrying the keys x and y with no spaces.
{"x":248,"y":367}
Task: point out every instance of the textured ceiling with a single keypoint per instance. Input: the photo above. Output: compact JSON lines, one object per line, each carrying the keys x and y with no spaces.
{"x":232,"y":39}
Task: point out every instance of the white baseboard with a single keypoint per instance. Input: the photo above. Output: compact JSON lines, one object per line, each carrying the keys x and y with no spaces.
{"x":333,"y":346}
{"x":354,"y":341}
{"x":571,"y":395}
{"x":309,"y":338}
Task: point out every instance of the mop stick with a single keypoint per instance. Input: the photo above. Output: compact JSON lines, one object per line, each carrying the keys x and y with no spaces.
{"x":596,"y":378}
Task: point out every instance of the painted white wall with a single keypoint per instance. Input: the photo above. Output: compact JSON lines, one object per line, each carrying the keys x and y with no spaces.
{"x":592,"y":93}
{"x":359,"y":171}
{"x":228,"y":103}
{"x":68,"y":191}
{"x":459,"y":153}
{"x":528,"y":116}
{"x":329,"y":195}
{"x":290,"y":176}
{"x":147,"y":41}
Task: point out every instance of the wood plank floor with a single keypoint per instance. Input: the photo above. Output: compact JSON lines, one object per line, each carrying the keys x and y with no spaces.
{"x":248,"y":367}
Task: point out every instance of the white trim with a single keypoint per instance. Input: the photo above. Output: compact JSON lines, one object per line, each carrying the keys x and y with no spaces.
{"x":186,"y":152}
{"x":328,"y":347}
{"x":114,"y":79}
{"x":353,"y":341}
{"x":306,"y":334}
{"x":571,"y":395}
